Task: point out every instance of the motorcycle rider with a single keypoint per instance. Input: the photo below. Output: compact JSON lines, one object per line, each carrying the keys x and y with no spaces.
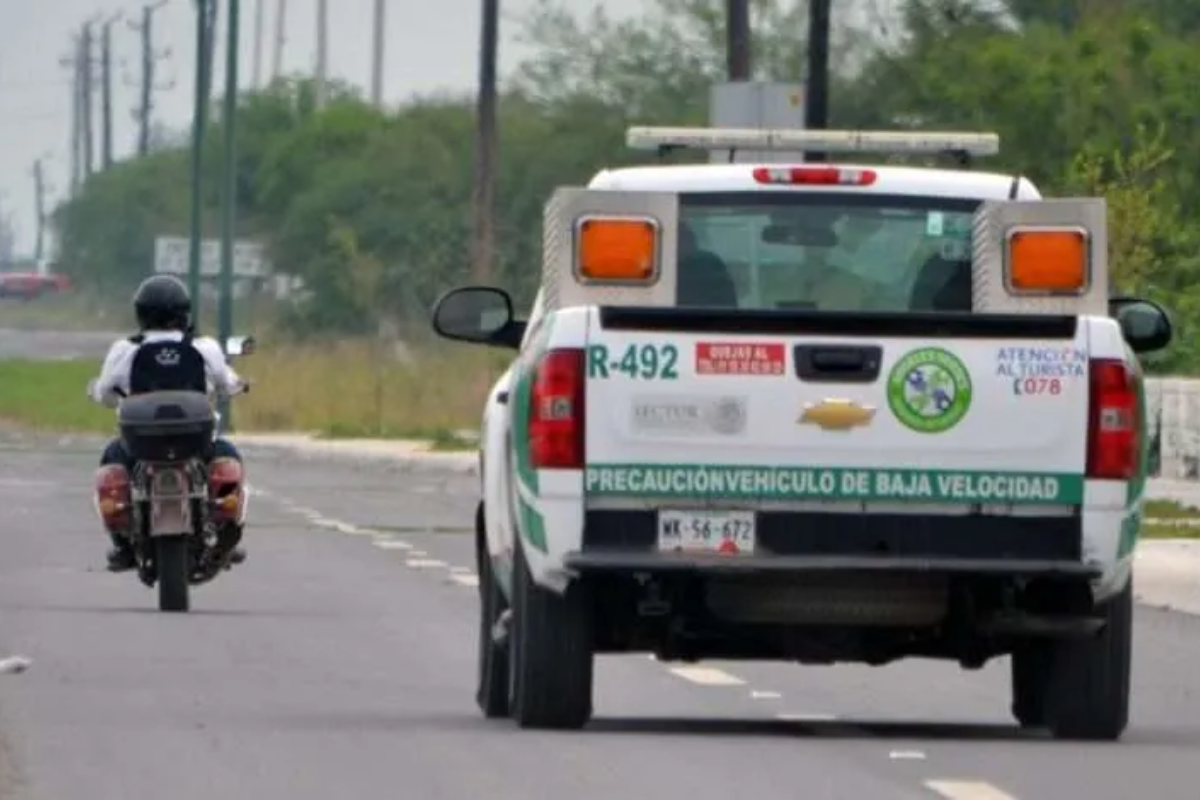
{"x":163,"y":308}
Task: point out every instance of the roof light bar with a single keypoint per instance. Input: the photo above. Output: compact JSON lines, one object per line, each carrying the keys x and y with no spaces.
{"x":820,"y":141}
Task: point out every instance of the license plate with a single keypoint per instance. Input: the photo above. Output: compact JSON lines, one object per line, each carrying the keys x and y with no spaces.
{"x":726,"y":532}
{"x":170,"y":517}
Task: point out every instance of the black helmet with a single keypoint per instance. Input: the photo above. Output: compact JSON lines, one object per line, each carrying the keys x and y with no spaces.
{"x":162,"y":303}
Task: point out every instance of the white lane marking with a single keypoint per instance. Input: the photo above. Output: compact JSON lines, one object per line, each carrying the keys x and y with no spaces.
{"x":907,"y":755}
{"x":392,"y":544}
{"x":417,"y":559}
{"x":967,"y":790}
{"x":756,"y":694}
{"x":424,"y":563}
{"x":707,"y":676}
{"x":793,"y":717}
{"x":14,"y":665}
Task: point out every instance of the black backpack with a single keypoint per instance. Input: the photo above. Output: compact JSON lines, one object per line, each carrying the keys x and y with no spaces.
{"x":167,"y":366}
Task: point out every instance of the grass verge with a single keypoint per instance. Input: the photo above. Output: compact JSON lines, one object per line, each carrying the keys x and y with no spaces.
{"x":1166,"y":519}
{"x":52,"y":395}
{"x":341,"y":390}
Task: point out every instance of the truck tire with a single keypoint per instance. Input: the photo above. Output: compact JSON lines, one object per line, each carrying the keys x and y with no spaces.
{"x":492,"y":691}
{"x":1088,"y":689}
{"x":171,"y":562}
{"x":551,"y":655}
{"x":1030,"y":675}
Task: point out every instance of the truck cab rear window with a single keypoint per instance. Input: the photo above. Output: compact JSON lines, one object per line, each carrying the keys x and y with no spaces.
{"x":827,"y":251}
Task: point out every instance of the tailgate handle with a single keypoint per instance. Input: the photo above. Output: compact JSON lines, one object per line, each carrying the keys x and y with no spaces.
{"x":838,"y":363}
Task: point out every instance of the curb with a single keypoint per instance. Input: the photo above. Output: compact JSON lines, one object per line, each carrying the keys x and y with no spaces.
{"x":392,"y":456}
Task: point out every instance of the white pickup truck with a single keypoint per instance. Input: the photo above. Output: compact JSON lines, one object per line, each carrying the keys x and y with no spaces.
{"x":816,"y":413}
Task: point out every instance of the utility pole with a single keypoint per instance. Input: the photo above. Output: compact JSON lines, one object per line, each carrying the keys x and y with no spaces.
{"x":483,"y":243}
{"x":86,"y":89}
{"x":76,"y":123}
{"x":147,"y":83}
{"x":321,"y":90}
{"x":76,"y":150}
{"x":259,"y":22}
{"x":816,"y":104}
{"x":39,"y":209}
{"x":106,"y":93}
{"x":738,"y":49}
{"x":377,"y":54}
{"x":206,"y":14}
{"x":229,"y":228}
{"x":280,"y":39}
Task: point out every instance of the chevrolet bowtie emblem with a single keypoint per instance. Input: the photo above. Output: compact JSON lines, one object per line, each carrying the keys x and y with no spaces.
{"x":837,"y":415}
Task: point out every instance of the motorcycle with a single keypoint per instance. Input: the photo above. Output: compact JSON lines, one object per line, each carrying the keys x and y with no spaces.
{"x":176,"y":503}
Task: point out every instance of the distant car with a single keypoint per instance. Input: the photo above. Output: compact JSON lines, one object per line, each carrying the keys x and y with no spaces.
{"x":31,"y":285}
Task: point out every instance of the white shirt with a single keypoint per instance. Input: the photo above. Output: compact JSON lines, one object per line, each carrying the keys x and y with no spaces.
{"x":115,"y":372}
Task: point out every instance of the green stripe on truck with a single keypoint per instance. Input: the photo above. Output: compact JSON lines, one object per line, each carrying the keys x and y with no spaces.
{"x":742,"y":482}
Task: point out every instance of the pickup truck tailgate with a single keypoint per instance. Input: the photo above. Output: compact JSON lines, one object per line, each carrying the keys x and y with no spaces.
{"x":977,"y":414}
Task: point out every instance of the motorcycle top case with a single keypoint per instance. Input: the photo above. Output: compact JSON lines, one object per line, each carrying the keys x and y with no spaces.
{"x":167,"y":426}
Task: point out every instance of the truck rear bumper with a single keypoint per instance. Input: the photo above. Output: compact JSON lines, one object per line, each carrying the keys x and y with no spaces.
{"x":626,"y":562}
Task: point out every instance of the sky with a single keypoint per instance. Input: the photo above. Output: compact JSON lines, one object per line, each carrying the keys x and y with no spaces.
{"x":431,"y":46}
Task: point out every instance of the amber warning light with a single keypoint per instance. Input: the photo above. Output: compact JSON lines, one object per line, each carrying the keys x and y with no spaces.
{"x":617,"y":249}
{"x":1048,"y":260}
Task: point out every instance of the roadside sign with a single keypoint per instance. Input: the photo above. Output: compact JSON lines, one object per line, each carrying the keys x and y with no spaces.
{"x":171,"y":256}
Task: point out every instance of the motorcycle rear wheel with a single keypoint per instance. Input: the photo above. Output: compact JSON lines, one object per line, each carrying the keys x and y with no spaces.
{"x":171,"y":560}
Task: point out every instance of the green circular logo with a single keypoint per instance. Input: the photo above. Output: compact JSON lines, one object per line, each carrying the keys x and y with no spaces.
{"x":929,"y":390}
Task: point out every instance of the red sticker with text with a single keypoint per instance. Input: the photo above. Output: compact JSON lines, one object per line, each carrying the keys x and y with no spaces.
{"x":738,"y":358}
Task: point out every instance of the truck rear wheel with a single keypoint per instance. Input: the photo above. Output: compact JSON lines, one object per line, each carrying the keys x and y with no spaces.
{"x":551,"y":656}
{"x":492,"y":691}
{"x":1030,"y":676}
{"x":1088,"y":690}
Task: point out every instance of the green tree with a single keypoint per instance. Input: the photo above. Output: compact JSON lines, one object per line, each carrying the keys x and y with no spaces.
{"x":1089,"y":107}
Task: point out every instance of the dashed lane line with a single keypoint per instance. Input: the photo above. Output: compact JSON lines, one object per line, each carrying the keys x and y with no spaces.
{"x":391,"y":544}
{"x":425,"y":563}
{"x":967,"y":790}
{"x":707,"y":676}
{"x":699,"y":675}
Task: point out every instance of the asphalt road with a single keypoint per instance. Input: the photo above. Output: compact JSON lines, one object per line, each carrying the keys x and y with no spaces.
{"x":340,"y":663}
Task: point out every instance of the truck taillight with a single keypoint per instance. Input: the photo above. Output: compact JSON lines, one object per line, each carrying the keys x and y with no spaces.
{"x":1114,"y":429}
{"x":556,"y":412}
